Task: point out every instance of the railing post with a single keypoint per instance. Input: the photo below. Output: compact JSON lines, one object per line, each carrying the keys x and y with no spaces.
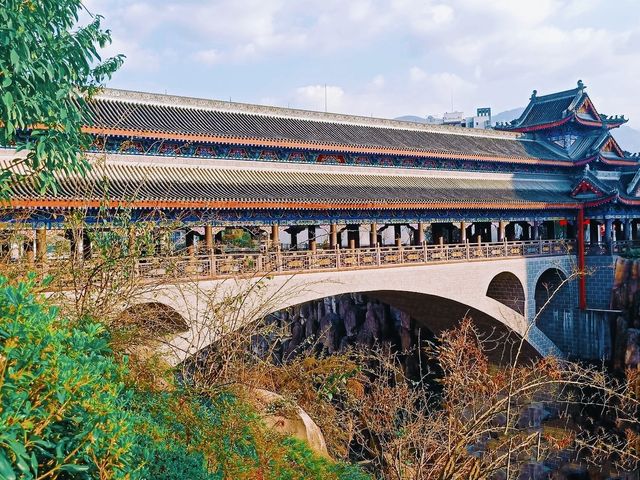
{"x":540,"y":247}
{"x":467,"y":249}
{"x":425,"y":253}
{"x":506,"y":248}
{"x":378,"y":256}
{"x":212,"y":264}
{"x":278,"y":258}
{"x":337,"y":252}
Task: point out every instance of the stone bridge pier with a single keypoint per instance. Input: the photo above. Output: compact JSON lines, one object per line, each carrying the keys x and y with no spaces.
{"x":501,"y":295}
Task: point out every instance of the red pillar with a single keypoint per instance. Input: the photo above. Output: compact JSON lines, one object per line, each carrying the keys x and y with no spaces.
{"x":582,"y":279}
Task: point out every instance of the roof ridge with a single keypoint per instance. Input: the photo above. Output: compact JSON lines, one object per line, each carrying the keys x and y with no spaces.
{"x":557,"y":95}
{"x":300,"y":114}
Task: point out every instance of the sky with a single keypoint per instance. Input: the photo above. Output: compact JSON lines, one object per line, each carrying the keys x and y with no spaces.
{"x":382,"y":58}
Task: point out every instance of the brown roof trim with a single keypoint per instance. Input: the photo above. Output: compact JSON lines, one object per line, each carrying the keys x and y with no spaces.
{"x":262,"y":142}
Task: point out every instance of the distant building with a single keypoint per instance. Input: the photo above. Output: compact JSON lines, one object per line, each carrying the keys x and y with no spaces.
{"x":481,"y":120}
{"x":453,"y":118}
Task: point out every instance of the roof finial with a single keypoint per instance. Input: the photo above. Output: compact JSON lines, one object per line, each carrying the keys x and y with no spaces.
{"x":580,"y":84}
{"x":533,"y":95}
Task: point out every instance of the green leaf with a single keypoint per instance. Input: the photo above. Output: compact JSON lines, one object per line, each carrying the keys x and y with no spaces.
{"x":7,"y":98}
{"x":74,"y":468}
{"x":14,"y":58}
{"x":6,"y":471}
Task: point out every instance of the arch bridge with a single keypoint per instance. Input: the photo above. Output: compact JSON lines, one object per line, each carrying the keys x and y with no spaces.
{"x":498,"y":284}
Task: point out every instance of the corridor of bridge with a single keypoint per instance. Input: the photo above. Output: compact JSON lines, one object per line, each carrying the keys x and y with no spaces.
{"x":43,"y":242}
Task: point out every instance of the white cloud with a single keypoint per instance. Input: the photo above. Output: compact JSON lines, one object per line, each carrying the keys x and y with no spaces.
{"x":208,"y":57}
{"x":488,"y":52}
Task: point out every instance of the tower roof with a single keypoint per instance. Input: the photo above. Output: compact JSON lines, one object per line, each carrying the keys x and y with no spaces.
{"x":548,"y":111}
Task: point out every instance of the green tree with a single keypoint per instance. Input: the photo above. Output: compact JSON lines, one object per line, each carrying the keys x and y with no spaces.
{"x":48,"y":65}
{"x":61,"y":391}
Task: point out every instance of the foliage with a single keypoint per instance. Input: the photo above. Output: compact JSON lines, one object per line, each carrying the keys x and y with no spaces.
{"x":70,"y":410}
{"x":46,"y":69}
{"x":59,"y":391}
{"x":201,"y":436}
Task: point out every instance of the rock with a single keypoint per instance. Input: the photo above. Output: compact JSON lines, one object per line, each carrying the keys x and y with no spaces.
{"x":632,"y":351}
{"x":370,"y":331}
{"x":288,"y":419}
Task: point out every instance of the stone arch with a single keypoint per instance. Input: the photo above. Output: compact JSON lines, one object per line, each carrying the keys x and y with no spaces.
{"x":410,"y":286}
{"x":507,"y":289}
{"x":558,"y":320}
{"x":548,"y":282}
{"x":154,"y":319}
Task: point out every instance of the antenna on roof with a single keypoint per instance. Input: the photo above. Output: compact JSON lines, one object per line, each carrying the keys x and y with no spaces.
{"x":325,"y":98}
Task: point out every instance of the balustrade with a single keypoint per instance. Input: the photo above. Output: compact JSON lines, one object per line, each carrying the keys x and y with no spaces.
{"x":226,"y":265}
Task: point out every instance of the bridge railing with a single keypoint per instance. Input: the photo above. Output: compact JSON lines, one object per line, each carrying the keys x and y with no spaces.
{"x":620,"y":247}
{"x":227,"y":265}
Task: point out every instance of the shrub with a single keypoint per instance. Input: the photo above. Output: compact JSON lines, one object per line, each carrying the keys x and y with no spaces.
{"x":59,"y":393}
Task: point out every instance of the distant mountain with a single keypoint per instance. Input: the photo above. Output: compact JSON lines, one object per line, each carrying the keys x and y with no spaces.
{"x":411,"y":118}
{"x":507,"y":116}
{"x":628,"y":138}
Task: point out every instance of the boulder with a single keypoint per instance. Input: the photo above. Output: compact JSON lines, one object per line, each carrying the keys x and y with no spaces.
{"x":288,"y":419}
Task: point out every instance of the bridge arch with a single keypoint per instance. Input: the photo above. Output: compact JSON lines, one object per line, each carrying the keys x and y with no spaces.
{"x":507,"y":289}
{"x":153,"y":318}
{"x":546,"y":286}
{"x":437,"y":283}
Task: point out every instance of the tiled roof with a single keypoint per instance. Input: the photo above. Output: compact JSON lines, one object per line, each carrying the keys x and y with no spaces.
{"x":149,"y":113}
{"x":198,"y":186}
{"x":548,"y":108}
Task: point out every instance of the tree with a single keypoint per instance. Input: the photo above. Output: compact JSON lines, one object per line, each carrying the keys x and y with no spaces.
{"x":48,"y":66}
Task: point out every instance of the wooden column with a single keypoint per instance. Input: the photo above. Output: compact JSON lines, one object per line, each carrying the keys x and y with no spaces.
{"x":275,"y":236}
{"x":208,"y":238}
{"x":420,"y":236}
{"x":333,"y":236}
{"x":463,"y":232}
{"x":502,"y":225}
{"x":373,"y":235}
{"x":41,"y":245}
